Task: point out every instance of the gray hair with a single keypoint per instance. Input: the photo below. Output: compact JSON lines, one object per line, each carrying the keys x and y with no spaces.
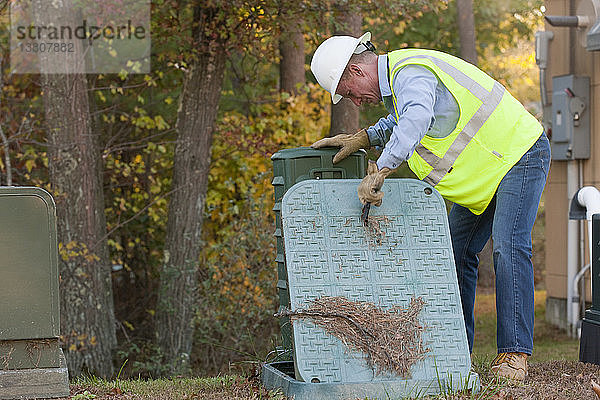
{"x":364,"y":58}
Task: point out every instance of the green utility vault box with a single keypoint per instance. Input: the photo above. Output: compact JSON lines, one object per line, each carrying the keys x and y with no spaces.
{"x":291,"y":166}
{"x":31,"y":362}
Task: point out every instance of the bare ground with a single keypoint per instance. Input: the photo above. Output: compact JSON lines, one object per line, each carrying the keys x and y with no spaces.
{"x":548,"y":380}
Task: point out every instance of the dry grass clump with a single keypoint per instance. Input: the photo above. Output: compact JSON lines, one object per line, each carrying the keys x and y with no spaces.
{"x":390,"y":339}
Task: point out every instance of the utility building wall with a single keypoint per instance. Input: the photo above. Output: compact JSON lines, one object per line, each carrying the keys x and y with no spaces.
{"x":567,"y":56}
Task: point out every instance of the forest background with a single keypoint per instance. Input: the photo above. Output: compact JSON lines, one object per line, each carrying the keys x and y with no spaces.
{"x":163,"y":180}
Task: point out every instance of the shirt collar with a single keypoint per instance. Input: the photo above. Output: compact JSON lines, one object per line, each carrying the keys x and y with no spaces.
{"x":382,"y":72}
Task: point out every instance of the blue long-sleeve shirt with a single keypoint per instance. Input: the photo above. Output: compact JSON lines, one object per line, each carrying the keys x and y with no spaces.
{"x":425,"y":107}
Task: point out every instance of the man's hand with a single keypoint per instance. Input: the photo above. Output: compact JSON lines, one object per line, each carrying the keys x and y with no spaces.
{"x":348,"y":144}
{"x":369,"y":188}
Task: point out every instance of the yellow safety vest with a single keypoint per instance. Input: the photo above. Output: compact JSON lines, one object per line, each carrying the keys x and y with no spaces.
{"x":493,"y":132}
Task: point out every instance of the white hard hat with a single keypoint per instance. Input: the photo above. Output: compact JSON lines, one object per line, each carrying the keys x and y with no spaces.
{"x":330,"y":60}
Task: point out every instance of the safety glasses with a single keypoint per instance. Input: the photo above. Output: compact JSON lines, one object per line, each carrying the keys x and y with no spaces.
{"x":364,"y":47}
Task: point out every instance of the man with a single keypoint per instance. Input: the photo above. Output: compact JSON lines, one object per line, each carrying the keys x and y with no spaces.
{"x":463,"y":133}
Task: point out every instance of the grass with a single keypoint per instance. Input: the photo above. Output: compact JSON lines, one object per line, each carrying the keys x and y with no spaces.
{"x":217,"y":388}
{"x":554,"y":371}
{"x":550,"y":343}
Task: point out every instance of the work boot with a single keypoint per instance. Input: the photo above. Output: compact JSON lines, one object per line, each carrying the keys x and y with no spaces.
{"x":510,"y":366}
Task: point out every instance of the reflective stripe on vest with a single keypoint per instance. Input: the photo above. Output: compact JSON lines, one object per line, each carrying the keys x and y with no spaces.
{"x":490,"y":101}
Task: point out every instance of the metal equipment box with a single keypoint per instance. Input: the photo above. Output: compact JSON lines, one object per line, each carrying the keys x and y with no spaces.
{"x":31,"y":361}
{"x":570,"y":139}
{"x":291,"y":166}
{"x":589,"y":344}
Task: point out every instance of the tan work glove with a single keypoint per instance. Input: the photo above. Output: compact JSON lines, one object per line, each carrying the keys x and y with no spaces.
{"x":348,"y":143}
{"x":369,"y":188}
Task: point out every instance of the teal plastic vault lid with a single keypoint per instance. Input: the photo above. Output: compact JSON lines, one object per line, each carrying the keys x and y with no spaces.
{"x":328,"y":254}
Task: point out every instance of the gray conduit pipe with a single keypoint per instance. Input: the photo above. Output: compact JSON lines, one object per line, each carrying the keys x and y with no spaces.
{"x":576,"y":295}
{"x":572,"y":251}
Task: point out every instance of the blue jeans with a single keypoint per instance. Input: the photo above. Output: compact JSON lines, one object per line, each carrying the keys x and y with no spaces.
{"x":509,"y":220}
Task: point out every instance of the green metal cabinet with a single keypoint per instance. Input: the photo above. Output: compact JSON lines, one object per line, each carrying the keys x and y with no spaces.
{"x":29,"y":265}
{"x":31,"y":361}
{"x":291,"y":166}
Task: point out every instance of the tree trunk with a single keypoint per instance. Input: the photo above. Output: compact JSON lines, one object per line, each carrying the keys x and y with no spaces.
{"x":344,"y":115}
{"x":87,"y":312}
{"x":75,"y":165}
{"x":178,"y":300}
{"x":466,"y":30}
{"x":291,"y":51}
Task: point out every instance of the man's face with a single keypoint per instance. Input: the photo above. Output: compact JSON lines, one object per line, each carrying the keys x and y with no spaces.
{"x":359,"y":87}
